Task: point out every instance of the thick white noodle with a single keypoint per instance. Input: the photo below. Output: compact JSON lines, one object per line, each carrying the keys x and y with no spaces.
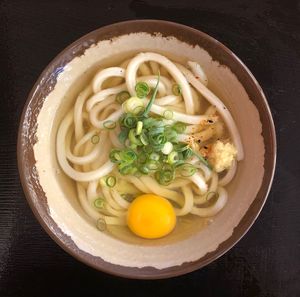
{"x":157,"y":189}
{"x":168,"y":100}
{"x":62,"y":159}
{"x":215,"y":208}
{"x":92,"y":191}
{"x":95,"y":152}
{"x":78,"y":110}
{"x":198,"y":72}
{"x":119,"y":199}
{"x":102,"y":95}
{"x":179,"y":117}
{"x":178,"y":183}
{"x":196,"y":99}
{"x":100,"y":124}
{"x":172,"y":69}
{"x":188,"y":202}
{"x":104,"y":74}
{"x":93,"y":213}
{"x":199,"y":181}
{"x":210,"y":193}
{"x":138,"y":184}
{"x":151,"y":82}
{"x":109,"y":200}
{"x":229,"y":175}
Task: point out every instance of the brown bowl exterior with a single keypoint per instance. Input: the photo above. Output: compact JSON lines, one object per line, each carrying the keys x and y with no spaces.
{"x":47,"y":80}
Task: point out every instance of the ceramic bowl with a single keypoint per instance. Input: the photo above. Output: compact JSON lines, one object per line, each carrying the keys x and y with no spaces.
{"x":190,"y":246}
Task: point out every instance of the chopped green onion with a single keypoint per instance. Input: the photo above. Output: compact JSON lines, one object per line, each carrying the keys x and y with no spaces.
{"x":115,"y":156}
{"x":144,"y":139}
{"x":171,"y":134}
{"x":150,"y":123}
{"x":142,"y":159}
{"x":154,"y":156}
{"x":165,"y":176}
{"x":186,"y":154}
{"x":133,"y":105}
{"x":152,"y":165}
{"x":101,"y":224}
{"x":109,"y":124}
{"x":212,"y":194}
{"x":132,"y":137}
{"x":176,"y":89}
{"x":139,"y":127}
{"x":111,"y":181}
{"x":144,"y":169}
{"x":122,"y":97}
{"x":95,"y":139}
{"x":127,"y":197}
{"x":168,"y":114}
{"x":179,"y":127}
{"x":167,"y":148}
{"x":123,"y":135}
{"x":138,"y":110}
{"x":148,"y":107}
{"x":133,"y":146}
{"x":173,"y":157}
{"x":142,"y":89}
{"x":187,"y":169}
{"x":180,"y":147}
{"x":128,"y":169}
{"x":128,"y":155}
{"x":128,"y":121}
{"x":99,"y":203}
{"x":148,"y":149}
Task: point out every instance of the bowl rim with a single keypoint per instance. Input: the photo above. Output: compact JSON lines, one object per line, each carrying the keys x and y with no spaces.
{"x":146,"y":272}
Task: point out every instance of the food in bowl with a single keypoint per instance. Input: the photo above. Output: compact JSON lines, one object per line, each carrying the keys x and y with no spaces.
{"x":194,"y":241}
{"x":146,"y":142}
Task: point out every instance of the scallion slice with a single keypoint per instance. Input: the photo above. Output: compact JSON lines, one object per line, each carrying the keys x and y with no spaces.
{"x":154,"y":156}
{"x":168,"y":114}
{"x":115,"y":156}
{"x":173,"y":158}
{"x":176,"y":89}
{"x":179,"y":127}
{"x":139,"y":127}
{"x":165,"y":176}
{"x":142,"y":89}
{"x":133,"y":105}
{"x":148,"y":107}
{"x":95,"y":139}
{"x":123,"y":135}
{"x":211,"y":195}
{"x":101,"y":224}
{"x":99,"y":203}
{"x":122,"y":97}
{"x":187,"y":170}
{"x":109,"y":124}
{"x":129,"y":121}
{"x":111,"y":181}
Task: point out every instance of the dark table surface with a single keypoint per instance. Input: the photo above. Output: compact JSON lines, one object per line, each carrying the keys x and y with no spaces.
{"x":265,"y":35}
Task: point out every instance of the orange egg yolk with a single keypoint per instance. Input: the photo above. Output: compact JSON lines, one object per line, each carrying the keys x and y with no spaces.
{"x":151,"y":216}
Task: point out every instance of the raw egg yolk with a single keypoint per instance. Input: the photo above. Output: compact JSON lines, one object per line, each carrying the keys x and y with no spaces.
{"x":151,"y":216}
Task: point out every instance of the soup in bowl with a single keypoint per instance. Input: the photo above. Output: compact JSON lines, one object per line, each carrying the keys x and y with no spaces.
{"x":148,"y":149}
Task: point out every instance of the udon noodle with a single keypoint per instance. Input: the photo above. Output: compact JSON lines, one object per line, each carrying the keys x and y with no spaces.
{"x":184,"y":148}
